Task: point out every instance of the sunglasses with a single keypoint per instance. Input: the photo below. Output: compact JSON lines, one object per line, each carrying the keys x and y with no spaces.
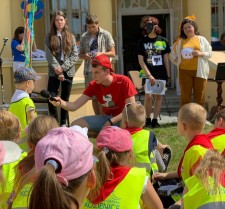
{"x":127,"y":105}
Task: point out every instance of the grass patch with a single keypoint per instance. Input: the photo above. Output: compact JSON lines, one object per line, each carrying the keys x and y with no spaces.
{"x":167,"y":134}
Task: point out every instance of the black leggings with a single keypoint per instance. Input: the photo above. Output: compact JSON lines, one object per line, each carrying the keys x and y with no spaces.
{"x":53,"y":88}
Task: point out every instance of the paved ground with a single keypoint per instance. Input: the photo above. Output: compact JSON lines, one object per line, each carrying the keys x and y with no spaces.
{"x":166,"y":119}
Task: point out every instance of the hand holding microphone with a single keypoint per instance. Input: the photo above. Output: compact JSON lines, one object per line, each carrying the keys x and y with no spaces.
{"x":46,"y":94}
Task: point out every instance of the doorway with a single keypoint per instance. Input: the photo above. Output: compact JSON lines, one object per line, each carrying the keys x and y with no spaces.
{"x":131,"y":33}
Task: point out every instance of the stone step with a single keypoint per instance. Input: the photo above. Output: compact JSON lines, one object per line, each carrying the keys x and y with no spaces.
{"x":172,"y":100}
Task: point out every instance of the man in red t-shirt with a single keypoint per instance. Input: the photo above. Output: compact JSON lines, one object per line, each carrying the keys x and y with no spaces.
{"x":112,"y":91}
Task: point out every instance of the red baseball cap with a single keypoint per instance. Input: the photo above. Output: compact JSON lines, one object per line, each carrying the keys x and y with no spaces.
{"x":102,"y":60}
{"x":115,"y":139}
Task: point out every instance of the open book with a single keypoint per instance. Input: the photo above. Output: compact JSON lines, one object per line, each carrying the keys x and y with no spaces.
{"x":159,"y":87}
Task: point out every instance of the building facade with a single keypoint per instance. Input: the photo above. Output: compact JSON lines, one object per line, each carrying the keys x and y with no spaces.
{"x":120,"y":17}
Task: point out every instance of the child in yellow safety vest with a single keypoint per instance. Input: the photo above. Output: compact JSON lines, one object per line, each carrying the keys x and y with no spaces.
{"x":36,"y":130}
{"x":10,"y":130}
{"x":120,"y":186}
{"x":21,"y":104}
{"x":206,"y":188}
{"x":191,"y":121}
{"x":148,"y":151}
{"x":217,"y":135}
{"x":9,"y":153}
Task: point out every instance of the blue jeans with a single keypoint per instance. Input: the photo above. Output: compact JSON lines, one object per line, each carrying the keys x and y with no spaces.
{"x":96,"y":122}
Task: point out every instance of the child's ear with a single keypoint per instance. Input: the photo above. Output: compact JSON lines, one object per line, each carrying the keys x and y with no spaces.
{"x":184,"y":125}
{"x":124,"y":124}
{"x":18,"y":138}
{"x":91,"y":181}
{"x":27,"y":83}
{"x":221,"y":123}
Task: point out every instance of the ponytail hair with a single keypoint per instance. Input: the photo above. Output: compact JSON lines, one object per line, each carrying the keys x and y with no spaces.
{"x":107,"y":159}
{"x":67,"y":36}
{"x":47,"y":192}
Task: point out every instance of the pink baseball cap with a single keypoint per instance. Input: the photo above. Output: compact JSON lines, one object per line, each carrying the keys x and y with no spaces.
{"x":9,"y":152}
{"x":104,"y":61}
{"x":115,"y":139}
{"x":68,"y":147}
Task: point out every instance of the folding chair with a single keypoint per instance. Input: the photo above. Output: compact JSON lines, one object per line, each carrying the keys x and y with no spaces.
{"x":137,"y":81}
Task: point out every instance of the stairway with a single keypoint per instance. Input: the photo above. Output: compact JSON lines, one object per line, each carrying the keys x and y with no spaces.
{"x":172,"y":99}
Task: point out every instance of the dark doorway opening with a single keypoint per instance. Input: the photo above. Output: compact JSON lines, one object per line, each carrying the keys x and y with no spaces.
{"x":132,"y":33}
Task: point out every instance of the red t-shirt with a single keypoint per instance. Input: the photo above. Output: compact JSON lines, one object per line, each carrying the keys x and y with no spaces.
{"x":112,"y":98}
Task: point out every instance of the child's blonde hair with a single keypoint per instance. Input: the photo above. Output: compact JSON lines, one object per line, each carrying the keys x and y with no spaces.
{"x":194,"y":115}
{"x":37,"y":129}
{"x":134,"y":115}
{"x":10,"y":127}
{"x":213,"y":164}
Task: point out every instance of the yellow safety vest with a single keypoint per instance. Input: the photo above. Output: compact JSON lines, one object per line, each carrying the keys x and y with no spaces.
{"x":19,"y":109}
{"x":192,"y":158}
{"x":22,"y":199}
{"x":198,"y":198}
{"x":219,"y":143}
{"x":9,"y":176}
{"x":140,"y":149}
{"x":127,"y":193}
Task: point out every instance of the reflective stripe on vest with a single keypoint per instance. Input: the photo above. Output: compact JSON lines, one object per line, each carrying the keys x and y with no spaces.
{"x":154,"y":165}
{"x":127,"y":193}
{"x":198,"y":198}
{"x":140,"y":149}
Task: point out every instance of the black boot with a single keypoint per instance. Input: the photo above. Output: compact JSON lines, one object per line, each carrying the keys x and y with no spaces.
{"x":148,"y":123}
{"x":155,"y":123}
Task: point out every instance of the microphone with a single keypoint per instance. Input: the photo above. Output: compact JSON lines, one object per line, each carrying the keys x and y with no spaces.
{"x":46,"y":94}
{"x":5,"y":39}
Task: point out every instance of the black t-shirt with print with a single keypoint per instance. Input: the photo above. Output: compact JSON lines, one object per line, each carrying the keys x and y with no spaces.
{"x":153,"y":49}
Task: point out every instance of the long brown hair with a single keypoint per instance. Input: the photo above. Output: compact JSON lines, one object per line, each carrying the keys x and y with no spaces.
{"x":37,"y":129}
{"x":47,"y":192}
{"x":67,"y":36}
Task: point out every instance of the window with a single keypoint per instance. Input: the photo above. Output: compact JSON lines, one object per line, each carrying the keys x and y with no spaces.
{"x":217,"y":19}
{"x":76,"y":12}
